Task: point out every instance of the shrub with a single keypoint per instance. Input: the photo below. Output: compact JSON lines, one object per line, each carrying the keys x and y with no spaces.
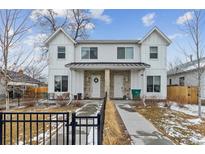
{"x":62,"y":100}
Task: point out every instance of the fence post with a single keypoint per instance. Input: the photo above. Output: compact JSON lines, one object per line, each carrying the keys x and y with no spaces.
{"x":1,"y":125}
{"x":73,"y":124}
{"x":99,"y":128}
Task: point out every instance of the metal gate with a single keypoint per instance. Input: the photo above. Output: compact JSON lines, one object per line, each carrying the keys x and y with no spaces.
{"x":62,"y":128}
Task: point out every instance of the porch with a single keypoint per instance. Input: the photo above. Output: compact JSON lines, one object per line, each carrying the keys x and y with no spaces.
{"x":92,"y":80}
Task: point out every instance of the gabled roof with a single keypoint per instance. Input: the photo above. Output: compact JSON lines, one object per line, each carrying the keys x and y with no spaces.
{"x":159,"y":32}
{"x":108,"y":41}
{"x":55,"y":33}
{"x":18,"y":77}
{"x":186,"y":67}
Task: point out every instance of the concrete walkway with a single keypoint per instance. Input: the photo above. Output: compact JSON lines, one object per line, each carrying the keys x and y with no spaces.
{"x":141,"y":131}
{"x":83,"y":135}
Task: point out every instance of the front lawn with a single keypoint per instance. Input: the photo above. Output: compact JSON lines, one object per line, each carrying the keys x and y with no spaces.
{"x":114,"y":129}
{"x":181,"y":128}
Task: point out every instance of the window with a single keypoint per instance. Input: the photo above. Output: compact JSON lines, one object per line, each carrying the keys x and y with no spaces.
{"x":89,"y":53}
{"x":125,"y":53}
{"x":61,"y":52}
{"x":181,"y":81}
{"x":153,"y":83}
{"x":170,"y":81}
{"x":153,"y":53}
{"x":61,"y":83}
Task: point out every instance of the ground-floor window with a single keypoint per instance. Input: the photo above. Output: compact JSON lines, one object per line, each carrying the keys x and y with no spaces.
{"x":153,"y":83}
{"x":61,"y":83}
{"x":181,"y":81}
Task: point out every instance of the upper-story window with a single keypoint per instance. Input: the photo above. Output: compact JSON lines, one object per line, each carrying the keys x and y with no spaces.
{"x":61,"y":52}
{"x":125,"y":53}
{"x":153,"y":52}
{"x":89,"y":53}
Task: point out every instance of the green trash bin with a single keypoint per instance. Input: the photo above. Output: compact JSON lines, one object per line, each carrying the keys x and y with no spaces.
{"x":136,"y":93}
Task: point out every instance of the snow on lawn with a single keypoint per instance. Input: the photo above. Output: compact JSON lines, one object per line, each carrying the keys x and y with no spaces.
{"x":179,"y":123}
{"x":186,"y":108}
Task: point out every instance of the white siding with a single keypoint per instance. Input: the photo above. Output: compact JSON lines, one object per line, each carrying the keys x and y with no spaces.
{"x":190,"y":80}
{"x":108,"y":53}
{"x":158,"y":66}
{"x":57,"y":66}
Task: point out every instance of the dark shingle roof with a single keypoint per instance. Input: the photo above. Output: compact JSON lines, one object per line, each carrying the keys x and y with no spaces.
{"x":18,"y":77}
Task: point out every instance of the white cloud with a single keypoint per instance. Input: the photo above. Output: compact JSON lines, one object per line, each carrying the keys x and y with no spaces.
{"x":175,"y":35}
{"x":148,"y":19}
{"x":99,"y":14}
{"x":38,"y":12}
{"x":186,"y":17}
{"x":89,"y":26}
{"x":35,"y":41}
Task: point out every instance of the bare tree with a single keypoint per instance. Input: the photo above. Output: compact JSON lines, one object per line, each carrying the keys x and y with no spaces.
{"x":36,"y":67}
{"x":77,"y":22}
{"x":193,"y":28}
{"x":48,"y":19}
{"x":80,"y":23}
{"x":12,"y":29}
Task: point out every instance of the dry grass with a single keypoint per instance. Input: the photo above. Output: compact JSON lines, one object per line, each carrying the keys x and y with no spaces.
{"x":114,"y":129}
{"x":167,"y":121}
{"x":12,"y":128}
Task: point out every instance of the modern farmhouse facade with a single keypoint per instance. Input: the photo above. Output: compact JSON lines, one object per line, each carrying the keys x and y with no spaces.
{"x":92,"y":67}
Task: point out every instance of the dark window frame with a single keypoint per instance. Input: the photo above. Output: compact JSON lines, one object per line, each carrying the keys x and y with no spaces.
{"x":182,"y":81}
{"x":92,"y":52}
{"x":62,"y":84}
{"x":125,"y":52}
{"x":153,"y":55}
{"x":153,"y":87}
{"x":61,"y":54}
{"x":170,"y":81}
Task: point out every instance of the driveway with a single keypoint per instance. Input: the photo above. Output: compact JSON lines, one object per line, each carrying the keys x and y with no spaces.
{"x":141,"y":131}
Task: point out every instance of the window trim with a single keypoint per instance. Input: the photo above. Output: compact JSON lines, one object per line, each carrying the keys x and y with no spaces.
{"x":125,"y":53}
{"x":157,"y":52}
{"x":61,"y":52}
{"x":89,"y":55}
{"x":154,"y":84}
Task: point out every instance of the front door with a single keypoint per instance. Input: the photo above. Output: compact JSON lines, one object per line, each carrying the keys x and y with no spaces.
{"x":118,"y":86}
{"x":95,"y":86}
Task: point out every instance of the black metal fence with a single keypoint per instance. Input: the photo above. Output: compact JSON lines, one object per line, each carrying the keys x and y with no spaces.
{"x":52,"y":128}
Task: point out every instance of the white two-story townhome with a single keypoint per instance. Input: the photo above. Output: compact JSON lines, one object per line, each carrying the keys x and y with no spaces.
{"x":92,"y":67}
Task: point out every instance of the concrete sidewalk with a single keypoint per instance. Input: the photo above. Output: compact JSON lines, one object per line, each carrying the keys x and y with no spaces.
{"x":141,"y":131}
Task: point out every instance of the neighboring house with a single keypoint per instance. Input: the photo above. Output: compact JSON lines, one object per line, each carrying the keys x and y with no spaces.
{"x":17,"y":81}
{"x":186,"y":75}
{"x":93,"y":67}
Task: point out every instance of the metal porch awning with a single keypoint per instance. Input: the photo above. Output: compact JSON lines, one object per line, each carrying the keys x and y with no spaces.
{"x":107,"y":65}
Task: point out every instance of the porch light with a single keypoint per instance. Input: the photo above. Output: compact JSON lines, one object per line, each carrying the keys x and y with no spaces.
{"x":126,"y":79}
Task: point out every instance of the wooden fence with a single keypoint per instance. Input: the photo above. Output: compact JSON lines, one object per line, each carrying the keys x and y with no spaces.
{"x":182,"y":94}
{"x":39,"y":92}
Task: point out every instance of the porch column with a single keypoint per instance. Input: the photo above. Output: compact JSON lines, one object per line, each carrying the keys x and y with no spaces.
{"x":107,"y":83}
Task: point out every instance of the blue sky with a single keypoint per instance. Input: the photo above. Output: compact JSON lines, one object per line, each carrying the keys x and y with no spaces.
{"x":128,"y":24}
{"x":133,"y":24}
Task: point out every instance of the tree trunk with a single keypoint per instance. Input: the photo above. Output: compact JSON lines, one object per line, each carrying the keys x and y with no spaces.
{"x":199,"y":95}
